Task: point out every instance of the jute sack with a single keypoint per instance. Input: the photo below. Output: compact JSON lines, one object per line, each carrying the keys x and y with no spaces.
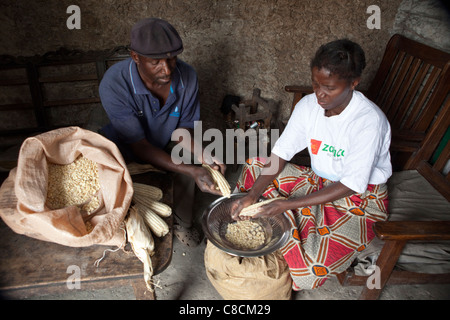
{"x":237,"y":278}
{"x":23,"y":193}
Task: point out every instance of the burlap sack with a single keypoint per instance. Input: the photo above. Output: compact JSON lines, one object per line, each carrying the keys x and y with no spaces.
{"x":23,"y":194}
{"x":237,"y":278}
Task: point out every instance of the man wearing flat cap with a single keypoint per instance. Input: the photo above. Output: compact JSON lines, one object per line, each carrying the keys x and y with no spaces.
{"x":149,"y":96}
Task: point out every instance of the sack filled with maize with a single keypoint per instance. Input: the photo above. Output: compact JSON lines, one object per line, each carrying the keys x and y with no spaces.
{"x":71,"y":186}
{"x":142,"y":243}
{"x":220,"y":181}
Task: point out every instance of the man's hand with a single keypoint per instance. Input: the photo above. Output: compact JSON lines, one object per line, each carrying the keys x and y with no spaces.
{"x":215,"y":164}
{"x":204,"y":181}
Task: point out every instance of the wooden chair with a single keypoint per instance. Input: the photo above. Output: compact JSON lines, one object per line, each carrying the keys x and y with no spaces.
{"x":412,"y":87}
{"x":396,"y":234}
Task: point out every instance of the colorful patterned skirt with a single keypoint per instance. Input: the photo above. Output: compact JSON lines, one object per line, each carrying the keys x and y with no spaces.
{"x":325,"y":239}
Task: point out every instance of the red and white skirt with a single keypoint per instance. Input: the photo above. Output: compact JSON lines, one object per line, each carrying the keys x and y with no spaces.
{"x":326,"y":238}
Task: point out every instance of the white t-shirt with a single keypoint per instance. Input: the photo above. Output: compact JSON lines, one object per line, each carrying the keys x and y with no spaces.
{"x":352,"y":147}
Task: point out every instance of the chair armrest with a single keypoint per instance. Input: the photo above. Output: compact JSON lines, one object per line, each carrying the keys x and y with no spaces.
{"x":412,"y":230}
{"x":404,"y":146}
{"x":299,"y":92}
{"x":299,"y":89}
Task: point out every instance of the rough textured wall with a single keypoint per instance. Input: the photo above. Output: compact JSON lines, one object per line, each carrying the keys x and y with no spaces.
{"x":235,"y":46}
{"x":425,"y":21}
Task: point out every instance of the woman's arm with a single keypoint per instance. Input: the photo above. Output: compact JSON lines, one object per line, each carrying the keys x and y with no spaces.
{"x":330,"y":193}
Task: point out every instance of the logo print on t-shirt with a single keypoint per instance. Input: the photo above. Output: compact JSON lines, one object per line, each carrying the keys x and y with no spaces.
{"x":315,"y":146}
{"x":176,"y":113}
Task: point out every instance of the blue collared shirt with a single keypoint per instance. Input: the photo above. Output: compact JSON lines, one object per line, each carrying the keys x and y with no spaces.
{"x":133,"y":111}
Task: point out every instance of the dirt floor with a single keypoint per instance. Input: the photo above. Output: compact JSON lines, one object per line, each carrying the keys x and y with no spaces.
{"x":186,"y":279}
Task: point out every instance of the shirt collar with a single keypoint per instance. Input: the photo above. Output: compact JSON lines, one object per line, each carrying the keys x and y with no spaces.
{"x":139,"y":86}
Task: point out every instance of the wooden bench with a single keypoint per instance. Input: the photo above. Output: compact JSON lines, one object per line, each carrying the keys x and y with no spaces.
{"x":412,"y":87}
{"x":32,"y":267}
{"x":57,"y":89}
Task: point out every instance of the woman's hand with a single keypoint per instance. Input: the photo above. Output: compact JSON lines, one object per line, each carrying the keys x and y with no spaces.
{"x":272,"y":209}
{"x":239,"y":204}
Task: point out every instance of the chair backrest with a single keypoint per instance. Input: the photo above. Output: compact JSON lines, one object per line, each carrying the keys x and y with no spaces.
{"x":411,"y":85}
{"x":432,"y":160}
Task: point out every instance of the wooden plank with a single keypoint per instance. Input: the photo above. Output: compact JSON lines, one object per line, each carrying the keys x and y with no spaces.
{"x":16,"y":106}
{"x":68,"y":102}
{"x":68,"y":78}
{"x":413,"y":230}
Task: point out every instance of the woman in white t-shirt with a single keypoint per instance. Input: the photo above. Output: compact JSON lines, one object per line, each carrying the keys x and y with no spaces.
{"x":332,"y":205}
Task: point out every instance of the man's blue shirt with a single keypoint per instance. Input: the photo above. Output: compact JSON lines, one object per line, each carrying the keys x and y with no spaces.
{"x":135,"y":113}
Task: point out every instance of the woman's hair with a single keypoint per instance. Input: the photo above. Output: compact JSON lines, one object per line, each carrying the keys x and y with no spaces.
{"x":343,"y":57}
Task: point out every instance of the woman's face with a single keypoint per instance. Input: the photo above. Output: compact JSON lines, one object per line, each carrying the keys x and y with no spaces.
{"x":333,"y":93}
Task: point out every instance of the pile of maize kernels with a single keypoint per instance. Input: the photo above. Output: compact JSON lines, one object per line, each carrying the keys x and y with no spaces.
{"x":76,"y":184}
{"x":245,"y":234}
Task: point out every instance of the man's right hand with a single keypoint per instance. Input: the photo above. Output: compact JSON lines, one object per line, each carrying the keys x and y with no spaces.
{"x":204,"y":180}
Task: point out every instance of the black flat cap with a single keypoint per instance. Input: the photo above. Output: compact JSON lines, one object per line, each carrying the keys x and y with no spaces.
{"x":155,"y":38}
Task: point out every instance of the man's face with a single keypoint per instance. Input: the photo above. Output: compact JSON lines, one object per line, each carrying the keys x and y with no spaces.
{"x":155,"y":71}
{"x":333,"y":93}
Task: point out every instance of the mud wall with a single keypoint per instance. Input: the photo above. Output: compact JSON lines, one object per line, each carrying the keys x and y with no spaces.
{"x":235,"y":46}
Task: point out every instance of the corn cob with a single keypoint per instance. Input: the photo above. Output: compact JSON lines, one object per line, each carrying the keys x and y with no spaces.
{"x":160,"y":208}
{"x":156,"y":224}
{"x":146,"y":190}
{"x":251,"y":210}
{"x":142,"y":243}
{"x":220,"y":181}
{"x":137,"y":168}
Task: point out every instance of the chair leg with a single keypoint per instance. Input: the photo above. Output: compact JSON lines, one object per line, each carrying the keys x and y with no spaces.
{"x":386,"y":262}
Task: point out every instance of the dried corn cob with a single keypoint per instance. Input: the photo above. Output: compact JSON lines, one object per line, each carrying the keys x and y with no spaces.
{"x":160,"y":208}
{"x":156,"y":224}
{"x":221,"y":183}
{"x":137,"y":168}
{"x":142,"y":243}
{"x":146,"y":190}
{"x":251,"y":210}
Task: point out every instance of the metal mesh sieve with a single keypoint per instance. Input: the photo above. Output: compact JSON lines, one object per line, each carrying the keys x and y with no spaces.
{"x":217,"y":216}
